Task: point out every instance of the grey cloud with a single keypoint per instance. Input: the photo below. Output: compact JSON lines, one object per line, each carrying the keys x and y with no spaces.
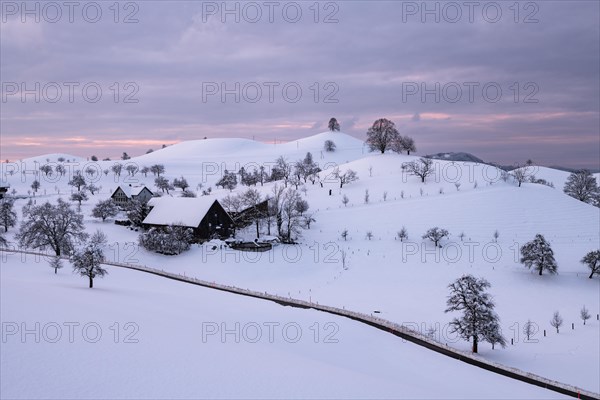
{"x":369,"y":55}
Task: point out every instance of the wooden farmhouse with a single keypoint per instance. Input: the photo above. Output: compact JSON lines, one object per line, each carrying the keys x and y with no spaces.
{"x":204,"y":215}
{"x":126,"y":193}
{"x":250,"y":214}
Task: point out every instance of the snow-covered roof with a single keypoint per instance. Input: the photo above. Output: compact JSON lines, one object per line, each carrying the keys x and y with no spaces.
{"x":131,"y":190}
{"x":182,"y":211}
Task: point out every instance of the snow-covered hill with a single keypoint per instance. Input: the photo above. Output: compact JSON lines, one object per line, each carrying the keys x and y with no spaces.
{"x":405,"y":281}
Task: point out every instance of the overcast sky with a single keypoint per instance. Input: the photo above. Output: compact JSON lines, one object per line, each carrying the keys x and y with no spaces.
{"x":162,"y":77}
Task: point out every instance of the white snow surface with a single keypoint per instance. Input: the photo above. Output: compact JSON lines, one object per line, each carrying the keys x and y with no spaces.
{"x":142,"y":336}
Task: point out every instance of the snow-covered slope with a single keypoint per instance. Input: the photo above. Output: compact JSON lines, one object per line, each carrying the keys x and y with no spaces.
{"x":238,"y":152}
{"x":405,"y":281}
{"x":142,"y":336}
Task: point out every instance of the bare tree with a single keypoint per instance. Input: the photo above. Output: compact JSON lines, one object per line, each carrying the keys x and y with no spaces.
{"x":60,"y":169}
{"x":592,"y":260}
{"x":77,"y":181}
{"x":369,"y":235}
{"x":402,"y":234}
{"x":8,"y":217}
{"x":584,"y":314}
{"x":181,"y":183}
{"x":117,"y":168}
{"x":93,"y":188}
{"x":529,"y":329}
{"x":251,"y":199}
{"x":157,"y":169}
{"x":366,"y":196}
{"x":88,"y":262}
{"x":56,"y":263}
{"x":556,"y":321}
{"x":348,"y":176}
{"x":403,"y":143}
{"x":57,"y":226}
{"x":538,"y":255}
{"x":232,"y":204}
{"x":291,"y":216}
{"x":105,"y":209}
{"x":522,"y":173}
{"x":333,"y":125}
{"x":479,"y":321}
{"x":137,"y":211}
{"x":282,"y":170}
{"x":46,"y":169}
{"x":329,"y":146}
{"x":344,"y":234}
{"x":228,"y":180}
{"x":275,"y":209}
{"x":163,"y":184}
{"x":582,"y":186}
{"x":421,"y":168}
{"x":79,"y":197}
{"x":132,"y":169}
{"x":345,"y":200}
{"x":309,"y":219}
{"x":381,"y":135}
{"x":435,"y":235}
{"x":35,"y":185}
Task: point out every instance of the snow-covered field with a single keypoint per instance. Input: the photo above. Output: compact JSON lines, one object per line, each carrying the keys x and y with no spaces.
{"x":141,"y":336}
{"x":405,"y":281}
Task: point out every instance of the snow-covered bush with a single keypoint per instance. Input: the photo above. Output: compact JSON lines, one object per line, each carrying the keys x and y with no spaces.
{"x":170,"y":240}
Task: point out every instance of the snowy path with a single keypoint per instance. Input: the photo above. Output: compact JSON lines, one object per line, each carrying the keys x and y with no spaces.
{"x":378,"y":323}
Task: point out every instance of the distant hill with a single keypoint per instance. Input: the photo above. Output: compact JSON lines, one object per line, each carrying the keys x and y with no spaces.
{"x":452,"y":156}
{"x":567,"y":169}
{"x":462,"y":156}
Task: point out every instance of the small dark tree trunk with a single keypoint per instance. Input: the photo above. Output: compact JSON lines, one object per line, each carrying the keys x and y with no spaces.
{"x":257,"y":232}
{"x":541,"y":269}
{"x":592,"y":274}
{"x":91,"y":282}
{"x":475,"y":344}
{"x":56,"y":271}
